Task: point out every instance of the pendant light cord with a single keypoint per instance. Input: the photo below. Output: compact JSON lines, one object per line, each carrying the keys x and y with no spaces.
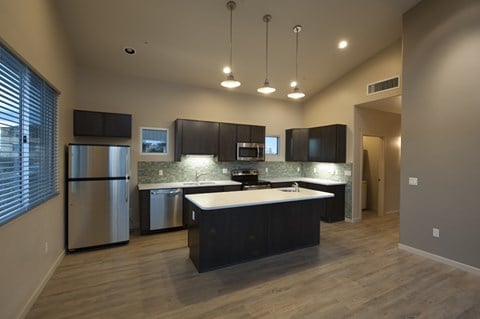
{"x":296,"y":58}
{"x":266,"y":53}
{"x":231,"y":36}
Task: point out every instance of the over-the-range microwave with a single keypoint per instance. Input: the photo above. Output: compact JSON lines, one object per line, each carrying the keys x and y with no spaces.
{"x":250,"y":151}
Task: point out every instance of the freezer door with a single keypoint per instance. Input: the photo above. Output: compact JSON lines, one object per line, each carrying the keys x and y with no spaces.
{"x":98,"y":213}
{"x":98,"y":161}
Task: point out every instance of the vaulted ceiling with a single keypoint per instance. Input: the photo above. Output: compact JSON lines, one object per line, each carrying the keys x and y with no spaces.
{"x":187,"y":41}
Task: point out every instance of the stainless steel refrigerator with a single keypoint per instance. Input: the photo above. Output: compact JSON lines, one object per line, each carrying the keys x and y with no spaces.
{"x":98,"y":195}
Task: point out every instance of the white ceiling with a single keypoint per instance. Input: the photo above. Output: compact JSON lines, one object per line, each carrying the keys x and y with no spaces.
{"x":186,"y":41}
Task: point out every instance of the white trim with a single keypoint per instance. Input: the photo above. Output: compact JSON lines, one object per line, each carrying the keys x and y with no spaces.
{"x":353,"y":220}
{"x":39,"y":289}
{"x":443,"y":260}
{"x":155,"y":129}
{"x":393,"y":212}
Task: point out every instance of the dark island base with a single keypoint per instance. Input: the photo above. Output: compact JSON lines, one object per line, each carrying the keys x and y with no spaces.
{"x":224,"y":237}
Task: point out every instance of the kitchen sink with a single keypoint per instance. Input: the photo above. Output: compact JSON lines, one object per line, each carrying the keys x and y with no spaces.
{"x":288,"y":190}
{"x":206,"y":183}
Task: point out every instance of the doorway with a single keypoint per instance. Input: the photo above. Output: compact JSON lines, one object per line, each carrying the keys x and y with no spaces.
{"x":373,"y":167}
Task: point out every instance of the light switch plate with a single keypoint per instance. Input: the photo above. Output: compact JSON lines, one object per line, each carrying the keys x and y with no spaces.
{"x":412,"y":181}
{"x":224,"y":171}
{"x":436,"y":232}
{"x":160,"y":172}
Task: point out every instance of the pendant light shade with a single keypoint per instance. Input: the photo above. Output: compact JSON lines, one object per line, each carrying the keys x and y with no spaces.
{"x":266,"y":88}
{"x":230,"y":82}
{"x":296,"y":94}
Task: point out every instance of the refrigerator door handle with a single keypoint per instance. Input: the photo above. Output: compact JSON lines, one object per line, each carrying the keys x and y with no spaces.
{"x":127,"y":188}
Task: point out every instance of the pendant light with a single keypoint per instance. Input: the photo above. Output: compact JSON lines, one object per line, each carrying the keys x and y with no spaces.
{"x":296,"y":94}
{"x":266,"y":88}
{"x":230,"y":82}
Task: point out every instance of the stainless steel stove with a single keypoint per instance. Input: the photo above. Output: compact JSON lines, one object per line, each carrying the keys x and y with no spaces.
{"x":249,"y":179}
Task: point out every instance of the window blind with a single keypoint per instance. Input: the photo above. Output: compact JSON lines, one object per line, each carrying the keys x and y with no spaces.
{"x":28,"y":138}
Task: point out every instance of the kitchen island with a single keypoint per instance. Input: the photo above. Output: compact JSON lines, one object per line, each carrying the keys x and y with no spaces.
{"x":226,"y":229}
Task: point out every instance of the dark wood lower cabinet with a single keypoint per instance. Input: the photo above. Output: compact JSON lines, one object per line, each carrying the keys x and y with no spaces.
{"x":222,"y":237}
{"x":335,"y":206}
{"x":201,"y":190}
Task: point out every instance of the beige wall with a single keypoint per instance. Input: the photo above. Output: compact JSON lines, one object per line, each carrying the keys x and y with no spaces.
{"x":440,"y":129}
{"x":387,"y":126}
{"x":335,"y":104}
{"x":158,"y":104}
{"x":31,"y":29}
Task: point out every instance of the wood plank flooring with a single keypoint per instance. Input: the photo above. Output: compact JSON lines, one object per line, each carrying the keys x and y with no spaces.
{"x":356,"y":272}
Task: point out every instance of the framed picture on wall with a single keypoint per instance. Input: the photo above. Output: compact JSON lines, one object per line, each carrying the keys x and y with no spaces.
{"x":154,"y":141}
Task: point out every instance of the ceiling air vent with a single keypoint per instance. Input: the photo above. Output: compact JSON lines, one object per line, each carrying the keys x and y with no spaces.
{"x":384,"y":85}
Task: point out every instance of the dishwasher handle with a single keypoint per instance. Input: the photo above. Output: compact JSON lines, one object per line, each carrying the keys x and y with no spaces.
{"x":170,"y":191}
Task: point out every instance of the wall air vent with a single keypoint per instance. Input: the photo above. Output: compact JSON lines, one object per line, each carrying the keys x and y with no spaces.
{"x":384,"y":85}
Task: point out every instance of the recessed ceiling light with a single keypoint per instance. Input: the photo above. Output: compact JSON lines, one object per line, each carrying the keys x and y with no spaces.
{"x":343,"y":44}
{"x":129,"y":50}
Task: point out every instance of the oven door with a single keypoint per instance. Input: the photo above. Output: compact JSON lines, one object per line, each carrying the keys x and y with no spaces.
{"x":250,"y":152}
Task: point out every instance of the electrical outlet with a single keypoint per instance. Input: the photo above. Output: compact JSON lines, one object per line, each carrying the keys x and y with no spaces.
{"x":347,"y":173}
{"x":413,"y":181}
{"x":436,"y":232}
{"x":298,"y":169}
{"x":46,"y":247}
{"x":314,"y":169}
{"x":224,"y":171}
{"x":160,"y":172}
{"x":266,"y":169}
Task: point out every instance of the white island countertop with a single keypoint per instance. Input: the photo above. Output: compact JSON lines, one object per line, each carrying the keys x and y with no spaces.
{"x":319,"y":181}
{"x":210,"y":201}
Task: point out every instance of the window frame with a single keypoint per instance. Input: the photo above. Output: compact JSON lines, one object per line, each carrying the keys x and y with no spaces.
{"x":30,"y":169}
{"x":166,"y":141}
{"x":277,"y":137}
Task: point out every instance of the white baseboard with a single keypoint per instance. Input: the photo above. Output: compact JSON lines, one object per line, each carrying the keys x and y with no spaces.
{"x":443,"y":260}
{"x":351,"y":220}
{"x":392,"y":212}
{"x":40,"y":287}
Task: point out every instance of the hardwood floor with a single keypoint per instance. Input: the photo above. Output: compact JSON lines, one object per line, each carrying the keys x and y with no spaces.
{"x":356,"y":272}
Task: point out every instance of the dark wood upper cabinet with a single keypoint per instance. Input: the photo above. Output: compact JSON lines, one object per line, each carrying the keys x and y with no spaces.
{"x":250,"y":133}
{"x":257,"y":134}
{"x":296,"y":145}
{"x":227,"y":142}
{"x":317,"y":144}
{"x":117,"y":125}
{"x":212,"y":138}
{"x":195,"y":138}
{"x":243,"y":133}
{"x":328,"y":143}
{"x":88,"y":123}
{"x":230,"y":134}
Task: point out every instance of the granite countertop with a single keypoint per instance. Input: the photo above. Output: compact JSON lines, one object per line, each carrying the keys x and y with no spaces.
{"x":326,"y":182}
{"x":210,"y":201}
{"x":142,"y":187}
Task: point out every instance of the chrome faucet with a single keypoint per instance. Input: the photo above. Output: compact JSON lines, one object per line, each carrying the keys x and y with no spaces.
{"x":197,"y":176}
{"x":295,"y":186}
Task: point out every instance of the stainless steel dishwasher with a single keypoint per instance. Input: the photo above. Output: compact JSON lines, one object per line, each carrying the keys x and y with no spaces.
{"x":166,"y":208}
